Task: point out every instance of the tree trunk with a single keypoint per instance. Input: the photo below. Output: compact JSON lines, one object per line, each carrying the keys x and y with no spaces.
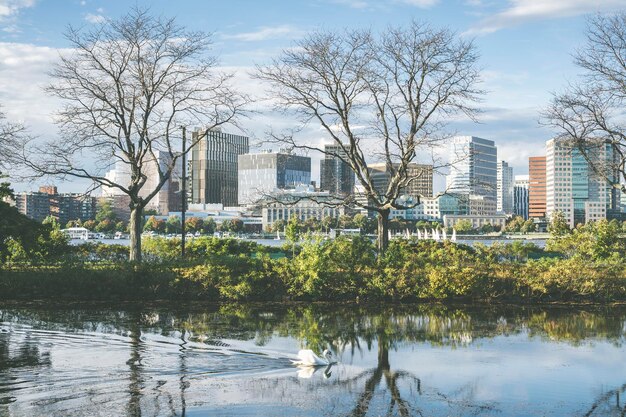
{"x":383,"y":231}
{"x":136,"y":214}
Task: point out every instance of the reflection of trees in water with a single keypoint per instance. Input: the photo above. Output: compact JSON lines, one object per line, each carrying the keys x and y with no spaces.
{"x":384,"y":331}
{"x":346,"y":330}
{"x":320,"y":325}
{"x":27,"y":355}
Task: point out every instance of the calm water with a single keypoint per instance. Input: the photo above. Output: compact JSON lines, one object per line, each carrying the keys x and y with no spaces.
{"x":234,"y":361}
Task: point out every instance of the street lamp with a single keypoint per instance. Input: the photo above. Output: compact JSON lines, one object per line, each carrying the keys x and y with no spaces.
{"x":183,"y":194}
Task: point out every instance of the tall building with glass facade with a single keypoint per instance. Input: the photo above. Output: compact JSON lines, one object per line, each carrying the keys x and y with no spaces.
{"x":572,"y":187}
{"x":520,"y":196}
{"x":336,"y":176}
{"x":474,"y":167}
{"x":263,"y":173}
{"x":505,"y":188}
{"x":214,"y":167}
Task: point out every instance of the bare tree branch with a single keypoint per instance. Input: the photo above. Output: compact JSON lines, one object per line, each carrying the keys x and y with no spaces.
{"x":377,"y":98}
{"x":128,"y":86}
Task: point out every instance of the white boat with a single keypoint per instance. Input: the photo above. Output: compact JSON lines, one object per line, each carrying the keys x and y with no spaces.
{"x":453,"y":238}
{"x":425,"y":234}
{"x":408,"y":234}
{"x":444,"y":234}
{"x":419,"y":234}
{"x":277,"y":235}
{"x":77,"y":233}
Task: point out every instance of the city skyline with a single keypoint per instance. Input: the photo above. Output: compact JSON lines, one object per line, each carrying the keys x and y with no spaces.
{"x":525,"y":53}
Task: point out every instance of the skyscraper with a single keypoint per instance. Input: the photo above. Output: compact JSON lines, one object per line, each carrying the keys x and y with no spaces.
{"x":214,"y":167}
{"x":474,"y":167}
{"x":572,"y":187}
{"x":263,"y":173}
{"x":520,"y":196}
{"x":336,"y":176}
{"x":537,"y":187}
{"x":505,"y":188}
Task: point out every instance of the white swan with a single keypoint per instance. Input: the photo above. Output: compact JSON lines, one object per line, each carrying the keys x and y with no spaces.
{"x":307,"y":357}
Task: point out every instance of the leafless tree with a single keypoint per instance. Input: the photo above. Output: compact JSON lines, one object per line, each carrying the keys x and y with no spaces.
{"x":378,"y":98}
{"x":128,"y":85}
{"x":589,"y":114}
{"x":11,"y":137}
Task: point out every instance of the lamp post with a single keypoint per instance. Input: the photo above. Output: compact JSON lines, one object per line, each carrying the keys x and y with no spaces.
{"x":183,"y":193}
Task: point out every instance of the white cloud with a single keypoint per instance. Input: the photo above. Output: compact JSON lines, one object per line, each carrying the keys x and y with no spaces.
{"x":94,"y":18}
{"x":10,"y":8}
{"x":355,"y":4}
{"x":423,"y":4}
{"x":265,"y":33}
{"x":23,"y":74}
{"x":521,"y":11}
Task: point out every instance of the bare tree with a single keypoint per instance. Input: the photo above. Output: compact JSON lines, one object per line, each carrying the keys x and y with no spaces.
{"x":380,"y":99}
{"x":11,"y":137}
{"x":128,"y":85}
{"x":589,"y":114}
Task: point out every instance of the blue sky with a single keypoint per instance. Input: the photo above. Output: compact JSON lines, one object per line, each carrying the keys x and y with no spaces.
{"x":525,"y":47}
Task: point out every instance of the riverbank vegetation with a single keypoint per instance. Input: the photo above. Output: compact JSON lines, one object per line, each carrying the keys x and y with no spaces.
{"x":583,"y":265}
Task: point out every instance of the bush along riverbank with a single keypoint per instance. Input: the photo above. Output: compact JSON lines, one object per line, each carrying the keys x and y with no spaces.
{"x":584,"y":265}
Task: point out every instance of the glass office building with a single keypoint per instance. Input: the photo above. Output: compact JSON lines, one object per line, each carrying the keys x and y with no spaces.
{"x":474,"y":167}
{"x":264,"y":173}
{"x":214,"y":167}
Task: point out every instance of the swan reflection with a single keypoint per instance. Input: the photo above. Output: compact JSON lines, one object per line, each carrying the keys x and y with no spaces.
{"x":306,"y":372}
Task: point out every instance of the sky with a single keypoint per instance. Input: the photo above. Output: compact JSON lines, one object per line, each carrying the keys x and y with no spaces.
{"x":526,"y":49}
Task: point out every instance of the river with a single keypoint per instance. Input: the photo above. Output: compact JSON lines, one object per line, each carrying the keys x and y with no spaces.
{"x":234,"y":360}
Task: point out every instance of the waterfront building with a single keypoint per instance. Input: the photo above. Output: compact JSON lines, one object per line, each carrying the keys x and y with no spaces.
{"x":572,"y":187}
{"x":477,"y":221}
{"x":214,"y":167}
{"x":62,"y":206}
{"x":336,"y":176}
{"x":263,"y":173}
{"x":35,"y":205}
{"x":520,"y":196}
{"x":505,"y":185}
{"x":303,"y":202}
{"x":219,"y":214}
{"x":474,"y":167}
{"x":537,"y":187}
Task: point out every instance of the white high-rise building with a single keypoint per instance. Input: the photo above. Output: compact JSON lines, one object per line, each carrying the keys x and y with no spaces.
{"x":505,"y":188}
{"x":571,"y":185}
{"x":520,"y":195}
{"x":164,"y":200}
